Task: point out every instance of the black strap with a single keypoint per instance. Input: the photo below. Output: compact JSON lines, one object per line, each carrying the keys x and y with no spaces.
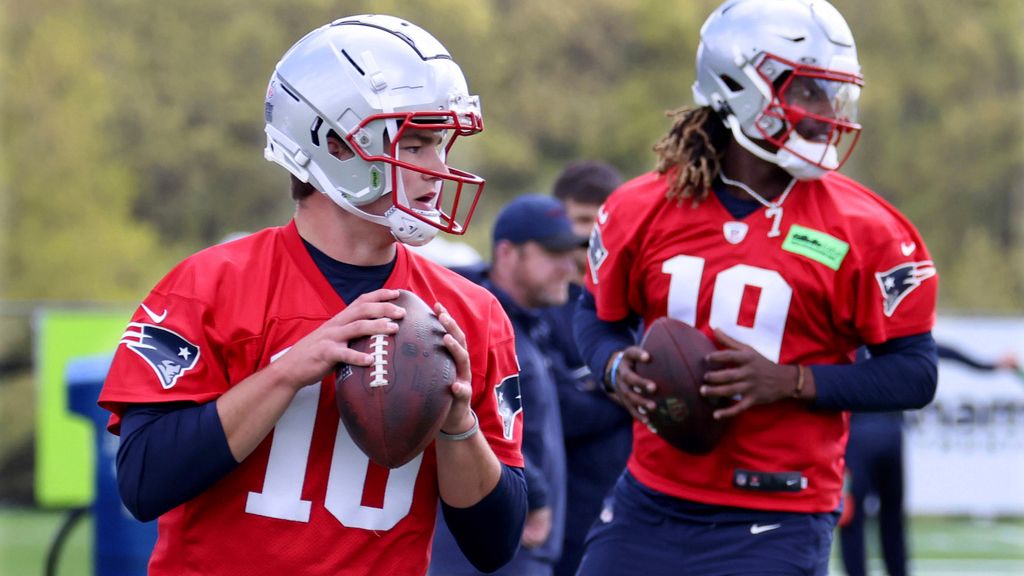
{"x":768,"y":481}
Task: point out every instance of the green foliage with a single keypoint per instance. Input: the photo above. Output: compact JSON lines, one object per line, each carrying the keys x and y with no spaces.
{"x":944,"y":136}
{"x":70,"y":235}
{"x":982,"y":272}
{"x":132,"y":131}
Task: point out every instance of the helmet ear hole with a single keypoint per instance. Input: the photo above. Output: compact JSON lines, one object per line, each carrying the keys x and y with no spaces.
{"x":731,"y":83}
{"x":338,"y":147}
{"x":314,"y":130}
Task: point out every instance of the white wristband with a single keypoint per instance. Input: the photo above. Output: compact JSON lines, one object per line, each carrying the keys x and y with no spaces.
{"x":456,"y":437}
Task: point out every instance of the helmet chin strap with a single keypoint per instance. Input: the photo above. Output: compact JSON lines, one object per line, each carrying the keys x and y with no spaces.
{"x":409,"y":230}
{"x":405,"y":228}
{"x":791,"y":156}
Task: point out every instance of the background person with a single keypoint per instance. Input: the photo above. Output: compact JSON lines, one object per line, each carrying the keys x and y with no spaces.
{"x":598,"y":431}
{"x":533,"y":247}
{"x":582,"y":187}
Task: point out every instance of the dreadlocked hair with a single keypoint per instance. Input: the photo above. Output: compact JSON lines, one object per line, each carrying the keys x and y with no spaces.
{"x":694,"y":145}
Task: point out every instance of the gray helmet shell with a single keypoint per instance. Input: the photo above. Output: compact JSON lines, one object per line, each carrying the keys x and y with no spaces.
{"x":355,"y":77}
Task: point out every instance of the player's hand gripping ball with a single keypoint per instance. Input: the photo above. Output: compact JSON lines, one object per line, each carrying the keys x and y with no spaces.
{"x":394,"y":407}
{"x":682,"y":417}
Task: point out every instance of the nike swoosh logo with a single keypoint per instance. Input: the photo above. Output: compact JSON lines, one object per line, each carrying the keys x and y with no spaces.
{"x":908,"y":248}
{"x":759,"y":529}
{"x":156,"y":318}
{"x":602,"y":216}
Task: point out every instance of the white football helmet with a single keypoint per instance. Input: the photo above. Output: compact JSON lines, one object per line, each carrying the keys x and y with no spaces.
{"x":369,"y":79}
{"x":785,"y":72}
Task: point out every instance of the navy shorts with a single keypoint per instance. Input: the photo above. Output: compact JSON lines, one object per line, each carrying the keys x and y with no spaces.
{"x":644,"y":532}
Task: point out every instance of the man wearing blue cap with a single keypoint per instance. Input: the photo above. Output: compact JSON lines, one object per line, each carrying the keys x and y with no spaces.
{"x":532,"y":264}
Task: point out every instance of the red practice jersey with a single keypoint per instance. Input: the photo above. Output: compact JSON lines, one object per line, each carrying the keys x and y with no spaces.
{"x":307,"y":501}
{"x":843,"y":268}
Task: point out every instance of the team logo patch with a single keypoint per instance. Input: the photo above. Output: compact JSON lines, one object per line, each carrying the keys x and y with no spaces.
{"x":166,"y":352}
{"x":510,"y":403}
{"x":596,"y":252}
{"x":735,"y":232}
{"x":344,"y":372}
{"x":816,"y":245}
{"x":897,"y":282}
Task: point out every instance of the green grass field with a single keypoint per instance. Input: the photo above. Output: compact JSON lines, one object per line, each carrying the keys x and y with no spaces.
{"x":940,"y":546}
{"x":25,"y":536}
{"x":954,"y":546}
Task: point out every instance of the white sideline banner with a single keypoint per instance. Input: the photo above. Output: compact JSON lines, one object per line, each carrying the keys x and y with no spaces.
{"x":964,"y":453}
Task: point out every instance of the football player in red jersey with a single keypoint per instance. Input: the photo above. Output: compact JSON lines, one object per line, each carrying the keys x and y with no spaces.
{"x":222,"y":387}
{"x":747,"y":231}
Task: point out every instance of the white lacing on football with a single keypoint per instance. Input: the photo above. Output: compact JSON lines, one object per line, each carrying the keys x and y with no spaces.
{"x":379,"y":351}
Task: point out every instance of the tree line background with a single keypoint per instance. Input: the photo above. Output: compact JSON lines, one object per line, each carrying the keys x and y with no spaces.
{"x":132,"y":132}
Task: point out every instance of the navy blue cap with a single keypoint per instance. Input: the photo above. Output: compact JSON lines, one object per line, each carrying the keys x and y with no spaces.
{"x":537,"y":218}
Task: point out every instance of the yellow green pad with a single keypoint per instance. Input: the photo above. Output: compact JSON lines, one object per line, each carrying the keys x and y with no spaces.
{"x":65,"y":453}
{"x":817,"y":246}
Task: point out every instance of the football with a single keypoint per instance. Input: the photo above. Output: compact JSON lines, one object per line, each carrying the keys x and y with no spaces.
{"x":682,"y":417}
{"x":394,"y":407}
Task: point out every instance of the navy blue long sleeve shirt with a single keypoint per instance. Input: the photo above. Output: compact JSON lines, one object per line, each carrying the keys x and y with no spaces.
{"x":598,"y":433}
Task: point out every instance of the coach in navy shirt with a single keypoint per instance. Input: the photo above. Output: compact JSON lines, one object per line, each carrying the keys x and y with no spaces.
{"x":532,"y":263}
{"x":598,"y":431}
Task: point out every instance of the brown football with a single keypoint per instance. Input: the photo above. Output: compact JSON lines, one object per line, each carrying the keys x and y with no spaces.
{"x":683,"y":417}
{"x":394,"y":407}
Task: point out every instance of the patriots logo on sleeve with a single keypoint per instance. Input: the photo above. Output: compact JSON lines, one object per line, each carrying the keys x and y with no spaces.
{"x":510,"y":403}
{"x":596,"y":252}
{"x":167,"y":352}
{"x":896,"y":283}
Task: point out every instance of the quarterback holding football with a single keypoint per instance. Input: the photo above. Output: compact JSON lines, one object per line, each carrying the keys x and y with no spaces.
{"x":747,"y":231}
{"x":223,"y":389}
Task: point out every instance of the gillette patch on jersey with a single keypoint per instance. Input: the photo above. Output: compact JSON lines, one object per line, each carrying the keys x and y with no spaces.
{"x":166,"y":352}
{"x":817,"y":246}
{"x":510,"y":403}
{"x":896,"y":283}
